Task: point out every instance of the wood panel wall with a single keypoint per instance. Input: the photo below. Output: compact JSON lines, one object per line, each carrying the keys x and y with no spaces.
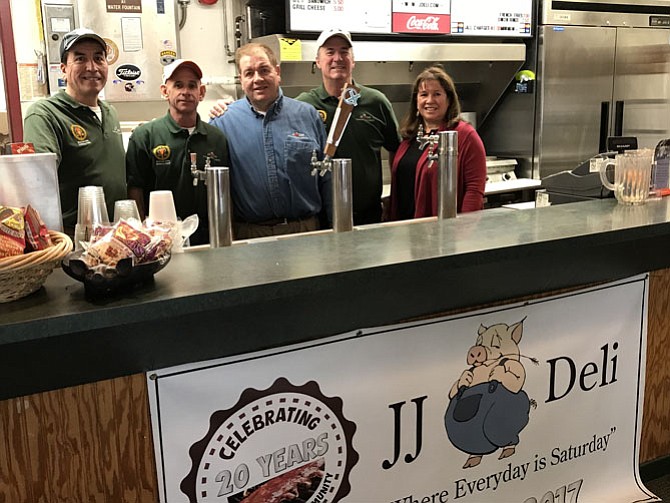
{"x":655,"y":441}
{"x":89,"y":443}
{"x":93,"y":443}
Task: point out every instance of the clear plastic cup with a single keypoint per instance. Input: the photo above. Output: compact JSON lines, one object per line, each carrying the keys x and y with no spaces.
{"x":161,"y":206}
{"x":126,"y":209}
{"x":91,"y":210}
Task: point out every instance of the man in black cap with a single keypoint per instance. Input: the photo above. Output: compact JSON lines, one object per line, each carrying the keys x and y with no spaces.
{"x":82,"y":130}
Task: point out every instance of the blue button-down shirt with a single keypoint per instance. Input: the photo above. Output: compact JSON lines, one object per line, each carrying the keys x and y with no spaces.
{"x":270,"y":173}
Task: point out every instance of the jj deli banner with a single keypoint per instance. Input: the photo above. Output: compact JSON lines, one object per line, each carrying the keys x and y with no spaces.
{"x":538,"y":402}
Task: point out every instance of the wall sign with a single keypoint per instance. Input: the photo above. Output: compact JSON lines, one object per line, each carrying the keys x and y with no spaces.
{"x":499,"y":18}
{"x":528,"y":403}
{"x":124,"y":6}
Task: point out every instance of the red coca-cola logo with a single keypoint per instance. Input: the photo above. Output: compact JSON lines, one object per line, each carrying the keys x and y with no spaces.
{"x":429,"y":23}
{"x":404,"y":22}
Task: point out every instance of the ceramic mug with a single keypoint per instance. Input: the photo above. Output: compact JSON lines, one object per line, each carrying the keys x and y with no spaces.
{"x":632,"y":176}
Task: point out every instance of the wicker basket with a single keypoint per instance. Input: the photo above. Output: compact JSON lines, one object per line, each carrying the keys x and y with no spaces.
{"x":21,"y":275}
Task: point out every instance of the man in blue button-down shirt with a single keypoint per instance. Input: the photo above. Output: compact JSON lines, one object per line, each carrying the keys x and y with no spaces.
{"x":271,"y":138}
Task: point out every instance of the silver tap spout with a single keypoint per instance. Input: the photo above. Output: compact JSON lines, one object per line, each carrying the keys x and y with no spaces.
{"x":343,"y":205}
{"x":219,"y":206}
{"x":321,"y":167}
{"x":431,"y":140}
{"x":447,"y":176}
{"x":198,"y":174}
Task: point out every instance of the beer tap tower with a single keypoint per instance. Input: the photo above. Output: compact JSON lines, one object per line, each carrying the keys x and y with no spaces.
{"x":217,"y":180}
{"x":343,"y":219}
{"x":443,"y":147}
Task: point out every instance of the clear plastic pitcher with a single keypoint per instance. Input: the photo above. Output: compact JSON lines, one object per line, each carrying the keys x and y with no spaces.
{"x":632,"y":176}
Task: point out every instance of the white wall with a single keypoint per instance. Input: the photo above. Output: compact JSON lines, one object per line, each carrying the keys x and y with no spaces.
{"x":202,"y":39}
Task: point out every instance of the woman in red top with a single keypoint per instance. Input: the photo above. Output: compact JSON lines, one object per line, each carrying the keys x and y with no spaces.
{"x":435,"y":107}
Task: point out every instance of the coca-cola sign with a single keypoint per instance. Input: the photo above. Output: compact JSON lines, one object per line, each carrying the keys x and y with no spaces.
{"x":428,"y":23}
{"x":404,"y":22}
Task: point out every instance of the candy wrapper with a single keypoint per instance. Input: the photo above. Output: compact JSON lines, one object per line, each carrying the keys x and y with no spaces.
{"x":12,"y":232}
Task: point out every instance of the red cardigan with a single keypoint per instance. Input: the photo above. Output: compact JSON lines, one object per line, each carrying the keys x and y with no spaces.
{"x":471,"y":175}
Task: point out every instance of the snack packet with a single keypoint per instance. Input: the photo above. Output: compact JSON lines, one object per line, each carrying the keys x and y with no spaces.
{"x":36,"y":232}
{"x":12,"y":232}
{"x":126,"y":239}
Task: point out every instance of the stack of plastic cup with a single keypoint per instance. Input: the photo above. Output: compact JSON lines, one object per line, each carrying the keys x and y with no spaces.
{"x":126,"y":209}
{"x":161,"y":207}
{"x":91,"y":210}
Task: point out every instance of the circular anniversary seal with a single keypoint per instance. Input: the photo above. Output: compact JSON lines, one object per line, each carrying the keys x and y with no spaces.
{"x":283,"y":443}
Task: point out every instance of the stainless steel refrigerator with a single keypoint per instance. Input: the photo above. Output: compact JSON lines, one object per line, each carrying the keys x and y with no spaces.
{"x":602,"y":69}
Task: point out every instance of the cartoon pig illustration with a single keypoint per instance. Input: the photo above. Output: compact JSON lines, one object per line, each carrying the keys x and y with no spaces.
{"x":487,"y":406}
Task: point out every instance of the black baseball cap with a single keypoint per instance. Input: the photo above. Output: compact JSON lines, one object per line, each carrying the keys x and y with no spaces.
{"x":71,"y":38}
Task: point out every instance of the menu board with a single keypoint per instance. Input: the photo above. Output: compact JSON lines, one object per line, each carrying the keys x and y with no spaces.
{"x":495,"y":18}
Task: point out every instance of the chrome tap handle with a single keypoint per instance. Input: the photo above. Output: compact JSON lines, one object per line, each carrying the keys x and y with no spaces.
{"x":194,"y":168}
{"x":196,"y":173}
{"x":427,"y":139}
{"x":430,"y":140}
{"x":321,"y":166}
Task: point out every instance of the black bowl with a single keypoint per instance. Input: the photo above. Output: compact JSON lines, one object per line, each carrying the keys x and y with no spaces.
{"x":124,"y":277}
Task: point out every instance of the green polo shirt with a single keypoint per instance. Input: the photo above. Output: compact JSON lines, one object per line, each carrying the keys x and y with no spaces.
{"x":158,"y":159}
{"x":89,"y":153}
{"x":372,"y":125}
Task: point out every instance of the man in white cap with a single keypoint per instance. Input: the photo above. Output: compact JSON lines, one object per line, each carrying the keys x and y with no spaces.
{"x":158,"y":156}
{"x":82,"y":130}
{"x":372,"y":124}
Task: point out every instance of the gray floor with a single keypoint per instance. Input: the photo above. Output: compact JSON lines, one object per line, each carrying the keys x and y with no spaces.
{"x":660,"y":487}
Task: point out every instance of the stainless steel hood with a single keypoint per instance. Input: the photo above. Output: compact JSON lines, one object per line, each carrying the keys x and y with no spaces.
{"x":482,"y":71}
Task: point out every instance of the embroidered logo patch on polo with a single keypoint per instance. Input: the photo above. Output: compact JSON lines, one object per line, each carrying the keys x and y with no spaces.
{"x":365,"y":117}
{"x":161,"y":152}
{"x":78,"y":132}
{"x":323,"y":115}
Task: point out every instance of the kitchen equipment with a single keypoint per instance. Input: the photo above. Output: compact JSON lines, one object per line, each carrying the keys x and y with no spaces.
{"x":632,"y":176}
{"x":603,"y":69}
{"x":481,"y":70}
{"x":500,"y":170}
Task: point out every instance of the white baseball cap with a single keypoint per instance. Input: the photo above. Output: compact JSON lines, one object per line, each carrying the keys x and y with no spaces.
{"x":178,"y":63}
{"x":333,"y":32}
